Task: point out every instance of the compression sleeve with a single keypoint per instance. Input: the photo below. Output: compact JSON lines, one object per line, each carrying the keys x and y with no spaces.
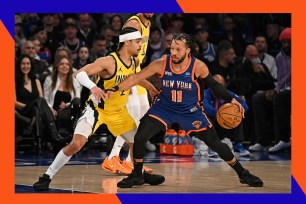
{"x":217,"y":88}
{"x":84,"y":80}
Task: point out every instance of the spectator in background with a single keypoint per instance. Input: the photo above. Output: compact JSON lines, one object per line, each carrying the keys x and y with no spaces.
{"x":31,"y":20}
{"x":211,"y":106}
{"x":62,"y":52}
{"x":282,"y":99}
{"x":54,"y":34}
{"x":155,"y":45}
{"x":19,"y":36}
{"x":209,"y":50}
{"x":58,"y":23}
{"x":251,"y":77}
{"x":265,"y":58}
{"x":44,"y":53}
{"x":99,"y":48}
{"x":71,"y":41}
{"x":273,"y":30}
{"x":244,"y":27}
{"x":109,"y":33}
{"x":82,"y":59}
{"x":200,"y":23}
{"x":86,"y":30}
{"x":177,"y":24}
{"x":62,"y":93}
{"x":263,"y":101}
{"x":232,"y":35}
{"x":224,"y":63}
{"x":116,"y":24}
{"x":29,"y":101}
{"x":165,"y":49}
{"x":167,"y":44}
{"x":41,"y":70}
{"x":36,"y":43}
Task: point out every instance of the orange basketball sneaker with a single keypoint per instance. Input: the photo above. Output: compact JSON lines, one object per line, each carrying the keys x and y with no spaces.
{"x":130,"y":166}
{"x":114,"y":165}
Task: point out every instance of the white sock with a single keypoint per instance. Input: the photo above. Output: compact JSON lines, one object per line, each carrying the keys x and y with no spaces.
{"x":117,"y":147}
{"x":60,"y":160}
{"x":128,"y":159}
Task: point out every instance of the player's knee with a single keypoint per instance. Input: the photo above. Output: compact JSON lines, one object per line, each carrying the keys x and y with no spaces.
{"x":140,"y":140}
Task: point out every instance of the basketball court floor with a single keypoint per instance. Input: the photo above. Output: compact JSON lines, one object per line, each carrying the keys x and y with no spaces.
{"x":194,"y":174}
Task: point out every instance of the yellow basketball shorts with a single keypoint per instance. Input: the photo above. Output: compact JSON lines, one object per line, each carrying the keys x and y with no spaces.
{"x":117,"y":122}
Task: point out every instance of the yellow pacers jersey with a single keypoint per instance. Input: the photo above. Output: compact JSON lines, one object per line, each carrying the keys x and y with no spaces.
{"x":117,"y":102}
{"x":145,"y":33}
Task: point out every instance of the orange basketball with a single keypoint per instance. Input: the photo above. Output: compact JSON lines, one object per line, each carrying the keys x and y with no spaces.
{"x":229,"y":116}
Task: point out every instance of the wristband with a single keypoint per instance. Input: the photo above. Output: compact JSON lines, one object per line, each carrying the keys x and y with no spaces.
{"x":116,"y":88}
{"x":113,"y":89}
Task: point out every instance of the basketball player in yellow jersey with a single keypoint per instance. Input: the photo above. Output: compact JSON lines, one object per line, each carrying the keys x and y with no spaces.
{"x":142,"y":23}
{"x":111,"y":70}
{"x":138,"y":103}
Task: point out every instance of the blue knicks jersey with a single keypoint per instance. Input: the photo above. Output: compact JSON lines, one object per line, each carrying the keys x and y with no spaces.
{"x":179,"y":98}
{"x":180,"y":90}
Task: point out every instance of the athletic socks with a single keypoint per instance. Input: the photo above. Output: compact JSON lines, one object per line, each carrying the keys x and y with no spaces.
{"x":128,"y":158}
{"x":237,"y":167}
{"x":60,"y":160}
{"x":117,"y":147}
{"x":138,"y":167}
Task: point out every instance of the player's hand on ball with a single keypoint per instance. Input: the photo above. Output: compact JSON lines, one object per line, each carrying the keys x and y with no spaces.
{"x":235,"y":102}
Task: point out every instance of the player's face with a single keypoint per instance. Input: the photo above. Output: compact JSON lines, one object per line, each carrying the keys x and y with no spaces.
{"x":25,"y":65}
{"x":178,"y":51}
{"x":135,"y":46}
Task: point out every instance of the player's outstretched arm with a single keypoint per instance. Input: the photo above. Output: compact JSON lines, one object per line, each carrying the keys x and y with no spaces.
{"x":153,"y":68}
{"x":101,"y":64}
{"x":147,"y":85}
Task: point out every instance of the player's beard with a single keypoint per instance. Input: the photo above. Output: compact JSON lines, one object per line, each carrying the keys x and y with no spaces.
{"x":180,"y":60}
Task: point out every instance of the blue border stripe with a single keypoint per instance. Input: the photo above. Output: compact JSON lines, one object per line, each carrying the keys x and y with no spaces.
{"x":297,"y":196}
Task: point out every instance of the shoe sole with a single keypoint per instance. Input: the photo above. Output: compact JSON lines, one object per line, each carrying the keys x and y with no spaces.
{"x":155,"y":184}
{"x":109,"y":170}
{"x":40,"y":189}
{"x":252,"y":185}
{"x":130,"y":186}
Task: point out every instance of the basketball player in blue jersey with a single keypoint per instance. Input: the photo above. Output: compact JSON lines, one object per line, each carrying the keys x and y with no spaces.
{"x":179,"y":101}
{"x":111,"y":71}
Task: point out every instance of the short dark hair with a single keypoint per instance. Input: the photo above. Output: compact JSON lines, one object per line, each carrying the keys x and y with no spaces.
{"x":99,"y":37}
{"x":189,"y":41}
{"x":155,"y":28}
{"x":224,"y":46}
